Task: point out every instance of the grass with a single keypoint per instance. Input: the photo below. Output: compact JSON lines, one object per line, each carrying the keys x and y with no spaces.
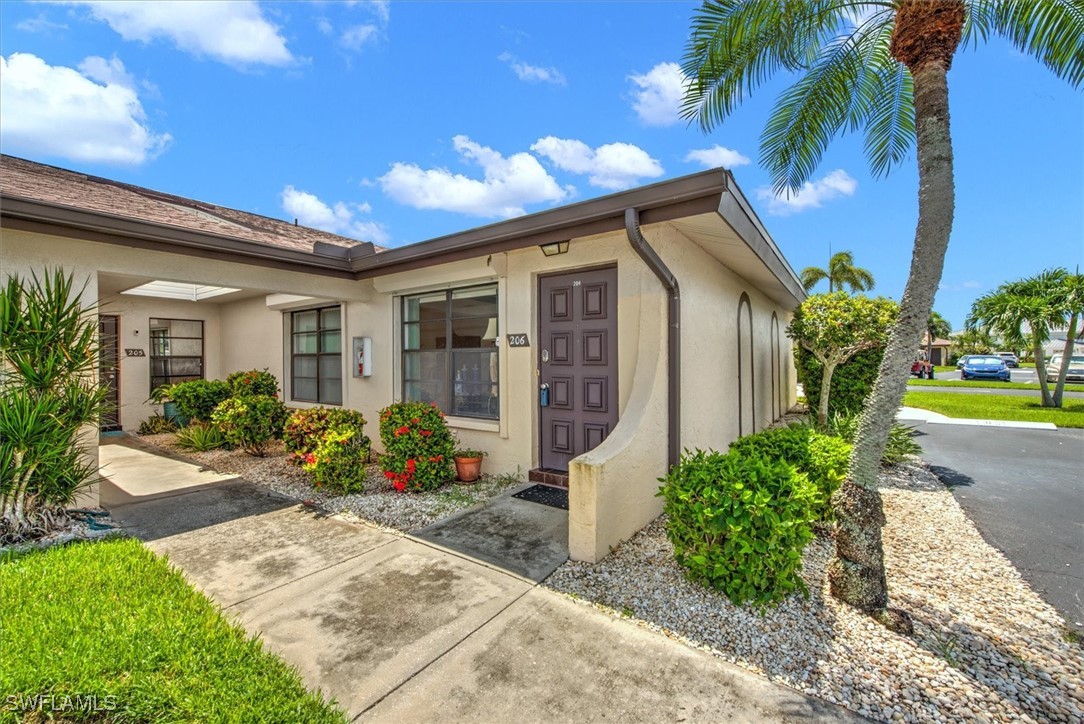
{"x":991,"y":384}
{"x":112,"y":622}
{"x":997,"y":407}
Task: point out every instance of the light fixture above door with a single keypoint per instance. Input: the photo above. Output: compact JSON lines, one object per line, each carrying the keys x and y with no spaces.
{"x":554,"y":248}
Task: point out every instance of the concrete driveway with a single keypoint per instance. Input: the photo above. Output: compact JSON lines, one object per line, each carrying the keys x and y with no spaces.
{"x":1024,"y":489}
{"x":398,"y":629}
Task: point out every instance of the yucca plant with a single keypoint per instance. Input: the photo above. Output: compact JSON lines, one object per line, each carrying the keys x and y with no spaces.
{"x":48,"y":392}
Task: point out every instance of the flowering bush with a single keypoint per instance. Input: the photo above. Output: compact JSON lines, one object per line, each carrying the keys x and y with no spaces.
{"x":253,"y":382}
{"x":250,"y":422}
{"x":418,"y":446}
{"x":305,"y":429}
{"x":338,"y":462}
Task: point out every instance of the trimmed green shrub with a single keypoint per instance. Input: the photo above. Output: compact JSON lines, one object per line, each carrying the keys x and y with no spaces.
{"x":739,"y":523}
{"x":201,"y":436}
{"x":253,"y":382}
{"x":901,"y":438}
{"x":418,"y":446}
{"x":250,"y":422}
{"x":305,"y":429}
{"x":852,"y":382}
{"x":197,"y":399}
{"x":156,"y":425}
{"x":338,"y":462}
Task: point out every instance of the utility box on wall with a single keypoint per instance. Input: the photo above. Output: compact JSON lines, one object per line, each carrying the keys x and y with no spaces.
{"x":363,"y":356}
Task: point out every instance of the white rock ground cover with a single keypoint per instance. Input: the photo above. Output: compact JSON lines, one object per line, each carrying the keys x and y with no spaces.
{"x":985,"y":648}
{"x":378,"y":503}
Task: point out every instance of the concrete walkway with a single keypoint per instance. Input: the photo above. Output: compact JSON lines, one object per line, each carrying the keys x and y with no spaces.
{"x":397,"y":629}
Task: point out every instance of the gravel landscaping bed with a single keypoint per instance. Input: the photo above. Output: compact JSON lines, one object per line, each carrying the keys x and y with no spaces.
{"x":379,"y":503}
{"x":986,"y":647}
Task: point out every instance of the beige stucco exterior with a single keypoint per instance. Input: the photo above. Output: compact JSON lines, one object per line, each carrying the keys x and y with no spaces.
{"x":612,"y":488}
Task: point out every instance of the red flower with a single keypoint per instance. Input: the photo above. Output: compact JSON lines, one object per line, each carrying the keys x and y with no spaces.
{"x":400,"y":485}
{"x":411,"y":466}
{"x":416,"y":421}
{"x":402,"y":431}
{"x":426,"y":433}
{"x":389,"y":474}
{"x":310,"y":458}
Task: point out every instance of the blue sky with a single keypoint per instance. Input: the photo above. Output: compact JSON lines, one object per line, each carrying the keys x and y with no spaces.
{"x":399,"y":122}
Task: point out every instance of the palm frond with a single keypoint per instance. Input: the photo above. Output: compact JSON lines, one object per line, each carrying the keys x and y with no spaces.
{"x":737,"y":45}
{"x":1050,"y":30}
{"x":841,"y":90}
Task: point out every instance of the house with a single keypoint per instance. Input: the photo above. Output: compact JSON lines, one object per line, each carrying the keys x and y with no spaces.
{"x":938,"y":351}
{"x":588,"y":344}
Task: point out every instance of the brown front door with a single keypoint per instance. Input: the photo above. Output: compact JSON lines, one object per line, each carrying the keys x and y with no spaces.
{"x":109,"y":370}
{"x":577,"y":362}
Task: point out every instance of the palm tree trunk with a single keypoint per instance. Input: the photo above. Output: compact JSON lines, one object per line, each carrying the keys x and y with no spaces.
{"x":1066,"y":359}
{"x":1040,"y":372}
{"x":857,"y":574}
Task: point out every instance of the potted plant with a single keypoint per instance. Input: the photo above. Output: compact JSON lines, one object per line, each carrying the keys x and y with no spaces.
{"x":468,"y":464}
{"x":163,"y":395}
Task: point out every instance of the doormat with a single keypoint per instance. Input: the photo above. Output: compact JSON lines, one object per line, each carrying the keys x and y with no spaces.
{"x":546,"y":495}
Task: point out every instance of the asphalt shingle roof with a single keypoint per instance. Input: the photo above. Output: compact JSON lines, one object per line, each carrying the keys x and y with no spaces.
{"x":48,"y":184}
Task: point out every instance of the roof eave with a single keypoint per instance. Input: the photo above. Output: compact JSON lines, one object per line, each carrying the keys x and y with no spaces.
{"x":115,"y":228}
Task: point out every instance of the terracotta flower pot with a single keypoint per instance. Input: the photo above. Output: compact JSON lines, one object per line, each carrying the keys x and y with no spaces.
{"x":468,"y":469}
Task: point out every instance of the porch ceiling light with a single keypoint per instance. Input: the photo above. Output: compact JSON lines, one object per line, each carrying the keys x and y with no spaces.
{"x":179,"y":290}
{"x":554,"y":248}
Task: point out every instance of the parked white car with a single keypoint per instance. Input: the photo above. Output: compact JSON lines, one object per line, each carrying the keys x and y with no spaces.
{"x":1076,"y":368}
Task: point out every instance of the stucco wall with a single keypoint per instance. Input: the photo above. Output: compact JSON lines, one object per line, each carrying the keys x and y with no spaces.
{"x":613,"y":487}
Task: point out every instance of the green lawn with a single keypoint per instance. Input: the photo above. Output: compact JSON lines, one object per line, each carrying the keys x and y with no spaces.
{"x":992,"y":384}
{"x":111,"y":621}
{"x":997,"y":407}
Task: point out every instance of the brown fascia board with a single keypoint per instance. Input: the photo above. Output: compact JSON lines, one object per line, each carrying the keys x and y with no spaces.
{"x":712,"y":191}
{"x":736,"y":211}
{"x":34,"y":215}
{"x":663,"y":201}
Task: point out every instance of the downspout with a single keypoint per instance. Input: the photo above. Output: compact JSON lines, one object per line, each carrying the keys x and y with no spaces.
{"x":673,"y":340}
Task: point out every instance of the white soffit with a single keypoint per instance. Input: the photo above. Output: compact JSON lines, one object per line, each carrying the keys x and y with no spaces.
{"x":179,"y":290}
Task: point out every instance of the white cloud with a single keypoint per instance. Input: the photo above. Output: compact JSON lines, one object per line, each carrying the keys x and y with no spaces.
{"x":107,"y":72}
{"x":58,"y":111}
{"x":717,"y":156}
{"x":355,"y":37}
{"x":324,"y":26}
{"x":532,"y":73}
{"x":340,"y":219}
{"x":39,"y":24}
{"x":962,"y":286}
{"x":507,"y":185}
{"x":612,"y":166}
{"x":812,"y":195}
{"x":236,"y":33}
{"x":658,"y":96}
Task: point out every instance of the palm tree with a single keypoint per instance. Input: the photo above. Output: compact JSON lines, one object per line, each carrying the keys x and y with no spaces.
{"x":1070,"y":297}
{"x":841,"y":272}
{"x":971,"y":341}
{"x":880,"y":67}
{"x":937,"y":326}
{"x":1023,"y":312}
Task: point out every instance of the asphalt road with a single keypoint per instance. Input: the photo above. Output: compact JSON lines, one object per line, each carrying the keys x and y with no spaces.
{"x":1024,"y":489}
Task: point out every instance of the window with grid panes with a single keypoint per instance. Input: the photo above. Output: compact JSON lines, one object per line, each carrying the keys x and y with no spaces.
{"x":450,"y":351}
{"x":316,"y":364}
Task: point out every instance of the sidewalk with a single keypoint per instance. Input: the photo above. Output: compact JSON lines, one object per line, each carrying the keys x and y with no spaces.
{"x":397,"y":629}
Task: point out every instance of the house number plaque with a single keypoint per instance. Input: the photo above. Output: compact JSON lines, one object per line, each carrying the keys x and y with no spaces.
{"x":518,"y":340}
{"x":134,"y":352}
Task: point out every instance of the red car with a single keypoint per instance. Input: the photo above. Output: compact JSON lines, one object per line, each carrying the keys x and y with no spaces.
{"x":922,"y":368}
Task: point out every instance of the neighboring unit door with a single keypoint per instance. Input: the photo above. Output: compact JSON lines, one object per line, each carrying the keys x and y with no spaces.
{"x":109,"y":370}
{"x":577,"y":362}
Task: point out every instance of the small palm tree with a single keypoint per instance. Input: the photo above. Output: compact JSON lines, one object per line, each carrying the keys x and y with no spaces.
{"x":881,"y":68}
{"x":841,"y":272}
{"x":936,"y":327}
{"x":1023,"y":312}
